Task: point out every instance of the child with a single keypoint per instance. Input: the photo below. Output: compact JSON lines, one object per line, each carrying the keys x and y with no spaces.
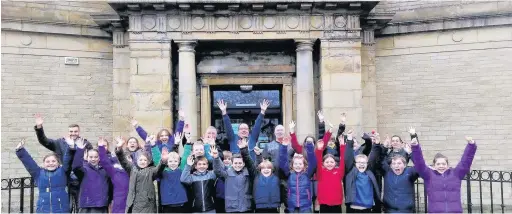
{"x":398,"y":182}
{"x":51,"y":180}
{"x":141,"y":194}
{"x":220,"y":184}
{"x":443,"y":183}
{"x":198,"y":149}
{"x":164,"y":136}
{"x":202,"y":182}
{"x":266,"y":189}
{"x":329,"y":176}
{"x":299,"y":177}
{"x":361,"y":189}
{"x":172,"y":192}
{"x":118,"y":176}
{"x":237,"y":178}
{"x":94,"y":184}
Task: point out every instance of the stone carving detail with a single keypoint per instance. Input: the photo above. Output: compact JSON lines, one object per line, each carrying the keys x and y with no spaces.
{"x":292,"y":22}
{"x":174,"y":22}
{"x":135,"y":23}
{"x":245,"y":22}
{"x":26,"y":40}
{"x":198,"y":23}
{"x":317,"y":22}
{"x":222,"y":23}
{"x":269,"y":22}
{"x":161,"y":23}
{"x":149,"y":22}
{"x":340,"y":21}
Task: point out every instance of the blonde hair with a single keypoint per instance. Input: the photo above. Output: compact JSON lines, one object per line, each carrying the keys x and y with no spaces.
{"x":264,"y":164}
{"x":361,"y":156}
{"x":174,"y":155}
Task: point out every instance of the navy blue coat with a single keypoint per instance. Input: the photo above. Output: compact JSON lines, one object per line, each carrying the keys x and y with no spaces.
{"x":266,"y":192}
{"x":172,"y":190}
{"x":53,"y":197}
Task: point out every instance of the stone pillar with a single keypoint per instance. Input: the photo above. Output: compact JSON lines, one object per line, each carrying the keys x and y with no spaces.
{"x":121,"y":83}
{"x":188,"y":84}
{"x":150,"y":84}
{"x":340,"y":81}
{"x":368,"y":81}
{"x":305,"y":91}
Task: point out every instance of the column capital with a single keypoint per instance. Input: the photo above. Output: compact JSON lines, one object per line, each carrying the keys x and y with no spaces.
{"x":186,"y":45}
{"x":304,"y":45}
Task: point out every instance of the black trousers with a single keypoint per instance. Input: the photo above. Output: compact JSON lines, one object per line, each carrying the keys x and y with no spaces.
{"x":267,"y":210}
{"x":330,"y":209}
{"x":220,"y":205}
{"x":93,"y":210}
{"x":174,"y":209}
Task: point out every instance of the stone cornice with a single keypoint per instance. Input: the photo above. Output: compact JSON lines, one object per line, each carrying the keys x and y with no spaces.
{"x":447,"y":23}
{"x":53,"y":28}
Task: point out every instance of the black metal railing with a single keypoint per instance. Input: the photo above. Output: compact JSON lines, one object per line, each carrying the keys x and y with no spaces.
{"x":486,"y":191}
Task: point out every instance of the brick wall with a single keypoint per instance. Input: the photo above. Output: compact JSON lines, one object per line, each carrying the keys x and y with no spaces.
{"x":35,"y":79}
{"x":448,"y":90}
{"x":404,"y":5}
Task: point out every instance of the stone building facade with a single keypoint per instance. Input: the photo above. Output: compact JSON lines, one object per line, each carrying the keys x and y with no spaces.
{"x":441,"y":66}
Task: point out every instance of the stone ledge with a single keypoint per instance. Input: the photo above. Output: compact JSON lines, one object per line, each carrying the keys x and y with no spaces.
{"x":53,"y":28}
{"x":447,"y":24}
{"x":443,"y":48}
{"x":53,"y":52}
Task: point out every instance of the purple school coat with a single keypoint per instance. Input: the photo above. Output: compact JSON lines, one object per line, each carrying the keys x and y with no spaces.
{"x":120,"y":180}
{"x":443,"y":190}
{"x":94,"y":183}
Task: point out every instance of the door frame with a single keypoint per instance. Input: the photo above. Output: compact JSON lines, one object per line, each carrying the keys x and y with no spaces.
{"x":207,"y":80}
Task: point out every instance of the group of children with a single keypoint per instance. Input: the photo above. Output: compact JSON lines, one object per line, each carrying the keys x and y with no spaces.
{"x":199,"y":176}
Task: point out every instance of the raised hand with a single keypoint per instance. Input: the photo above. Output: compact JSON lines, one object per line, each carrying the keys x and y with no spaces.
{"x":151,"y":140}
{"x":376,"y":136}
{"x":102,"y":142}
{"x":292,"y":127}
{"x":120,"y":142}
{"x":214,"y":152}
{"x":165,"y":154}
{"x":190,"y":160}
{"x":135,"y":123}
{"x":414,"y":142}
{"x":181,"y":114}
{"x":349,"y":134}
{"x":286,"y":141}
{"x":242,"y":143}
{"x":320,"y":144}
{"x":257,"y":150}
{"x":177,"y":137}
{"x":343,"y":118}
{"x":320,"y":115}
{"x":80,"y":143}
{"x":341,"y":140}
{"x":222,"y":106}
{"x":330,"y":126}
{"x":264,"y":105}
{"x":70,"y":142}
{"x":407,"y":148}
{"x":21,"y":144}
{"x":412,"y":130}
{"x":39,"y":120}
{"x":470,"y":140}
{"x":387,"y":141}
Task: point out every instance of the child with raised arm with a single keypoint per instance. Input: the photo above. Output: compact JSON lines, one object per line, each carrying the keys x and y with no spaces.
{"x":50,"y":179}
{"x":172,"y":192}
{"x":202,"y":182}
{"x":361,"y":189}
{"x":237,"y":178}
{"x":398,"y":181}
{"x":94,"y":182}
{"x":329,"y":176}
{"x":141,"y":192}
{"x":119,"y":177}
{"x":164,"y":137}
{"x":220,"y":187}
{"x":266,"y":191}
{"x":443,"y":182}
{"x":299,"y":177}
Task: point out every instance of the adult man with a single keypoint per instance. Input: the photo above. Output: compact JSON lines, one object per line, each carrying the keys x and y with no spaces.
{"x":243,"y":128}
{"x":60,"y":147}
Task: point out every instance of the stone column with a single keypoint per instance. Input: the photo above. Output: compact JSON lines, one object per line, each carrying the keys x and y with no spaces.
{"x":121,"y":83}
{"x":305,"y":91}
{"x":340,"y":81}
{"x":188,"y":83}
{"x":150,"y":84}
{"x":368,"y":81}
